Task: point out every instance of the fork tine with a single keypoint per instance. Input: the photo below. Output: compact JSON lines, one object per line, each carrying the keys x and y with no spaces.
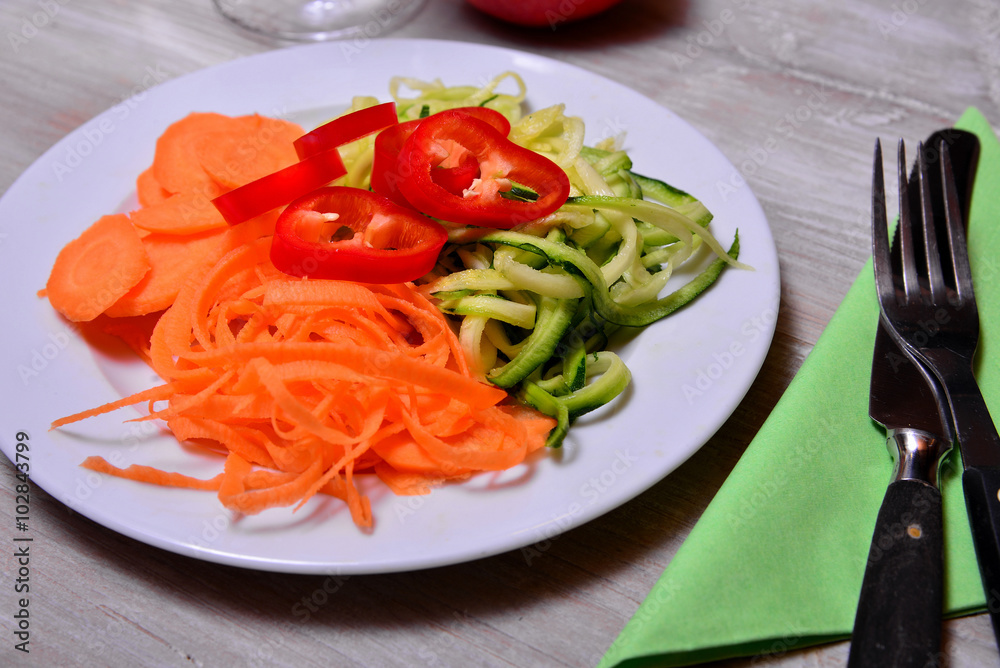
{"x":911,"y":284}
{"x":880,"y":233}
{"x":956,"y":230}
{"x":935,"y":277}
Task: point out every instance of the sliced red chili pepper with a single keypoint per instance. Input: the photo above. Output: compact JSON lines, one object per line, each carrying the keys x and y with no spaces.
{"x":346,"y":129}
{"x":502,"y":165}
{"x":387,"y":170}
{"x":269,"y":192}
{"x":384,"y":242}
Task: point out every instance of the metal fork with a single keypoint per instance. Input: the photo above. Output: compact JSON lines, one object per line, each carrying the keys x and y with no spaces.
{"x":929,"y":306}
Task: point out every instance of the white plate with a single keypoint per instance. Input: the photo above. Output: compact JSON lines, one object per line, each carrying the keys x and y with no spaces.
{"x":689,"y":371}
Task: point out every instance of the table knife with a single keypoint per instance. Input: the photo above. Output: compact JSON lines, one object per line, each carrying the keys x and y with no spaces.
{"x":898,"y":620}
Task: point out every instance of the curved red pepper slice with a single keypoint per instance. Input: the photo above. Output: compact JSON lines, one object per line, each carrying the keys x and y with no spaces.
{"x":387,"y":171}
{"x":269,"y":192}
{"x":502,"y":164}
{"x":346,"y":129}
{"x":385,"y":242}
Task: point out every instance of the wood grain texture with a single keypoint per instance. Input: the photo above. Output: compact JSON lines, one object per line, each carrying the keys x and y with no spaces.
{"x":793,"y":92}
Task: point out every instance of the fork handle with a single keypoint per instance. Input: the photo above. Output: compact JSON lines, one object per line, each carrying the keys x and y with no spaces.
{"x":898,"y":620}
{"x":981,"y":485}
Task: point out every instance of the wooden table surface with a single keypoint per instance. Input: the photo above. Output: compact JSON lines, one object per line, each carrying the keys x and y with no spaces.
{"x":735,"y":69}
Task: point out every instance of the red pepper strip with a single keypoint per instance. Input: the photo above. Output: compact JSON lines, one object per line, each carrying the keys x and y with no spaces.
{"x":390,"y":243}
{"x":269,"y":192}
{"x":387,"y":172}
{"x":346,"y":129}
{"x":501,"y":162}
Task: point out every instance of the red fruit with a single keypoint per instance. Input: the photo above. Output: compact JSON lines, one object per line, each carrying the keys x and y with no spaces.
{"x":542,"y":13}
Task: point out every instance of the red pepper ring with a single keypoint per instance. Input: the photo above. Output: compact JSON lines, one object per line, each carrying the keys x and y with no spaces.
{"x":279,"y":188}
{"x":502,"y":164}
{"x":389,"y":243}
{"x":385,"y":176}
{"x":346,"y":129}
{"x":491,"y":116}
{"x":387,"y":170}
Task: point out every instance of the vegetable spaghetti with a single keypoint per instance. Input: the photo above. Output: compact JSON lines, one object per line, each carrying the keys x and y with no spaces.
{"x":304,"y":371}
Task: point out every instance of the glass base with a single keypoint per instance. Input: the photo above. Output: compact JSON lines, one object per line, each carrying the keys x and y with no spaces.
{"x":318,"y":20}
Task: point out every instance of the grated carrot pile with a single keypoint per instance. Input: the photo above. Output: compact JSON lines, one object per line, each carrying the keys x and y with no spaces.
{"x":304,"y":384}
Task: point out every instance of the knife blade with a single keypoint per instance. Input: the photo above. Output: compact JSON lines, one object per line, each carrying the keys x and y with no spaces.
{"x":898,"y":620}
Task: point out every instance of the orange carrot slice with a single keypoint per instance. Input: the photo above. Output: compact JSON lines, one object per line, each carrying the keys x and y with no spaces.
{"x":177,"y":163}
{"x":183,"y":213}
{"x":172,"y":260}
{"x":148,"y":189}
{"x":235,"y":158}
{"x":97,"y":269}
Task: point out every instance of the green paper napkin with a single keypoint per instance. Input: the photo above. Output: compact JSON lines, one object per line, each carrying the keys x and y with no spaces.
{"x":777,"y":559}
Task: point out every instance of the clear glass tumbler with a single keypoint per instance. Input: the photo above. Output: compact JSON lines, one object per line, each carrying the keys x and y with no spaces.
{"x":317,"y":20}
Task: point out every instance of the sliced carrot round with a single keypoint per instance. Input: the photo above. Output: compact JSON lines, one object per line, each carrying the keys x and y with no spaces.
{"x":148,"y":189}
{"x":183,"y":213}
{"x":172,"y":259}
{"x":177,"y":161}
{"x":98,"y":268}
{"x":235,"y":158}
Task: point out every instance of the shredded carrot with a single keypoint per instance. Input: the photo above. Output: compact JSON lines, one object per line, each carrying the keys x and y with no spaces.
{"x":304,"y":385}
{"x":151,"y":475}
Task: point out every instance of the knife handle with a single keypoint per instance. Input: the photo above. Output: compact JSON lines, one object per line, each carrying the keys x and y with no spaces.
{"x":982,"y":486}
{"x":898,"y":621}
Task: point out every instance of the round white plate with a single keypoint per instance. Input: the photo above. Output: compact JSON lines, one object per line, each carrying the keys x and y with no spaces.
{"x":689,"y":371}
